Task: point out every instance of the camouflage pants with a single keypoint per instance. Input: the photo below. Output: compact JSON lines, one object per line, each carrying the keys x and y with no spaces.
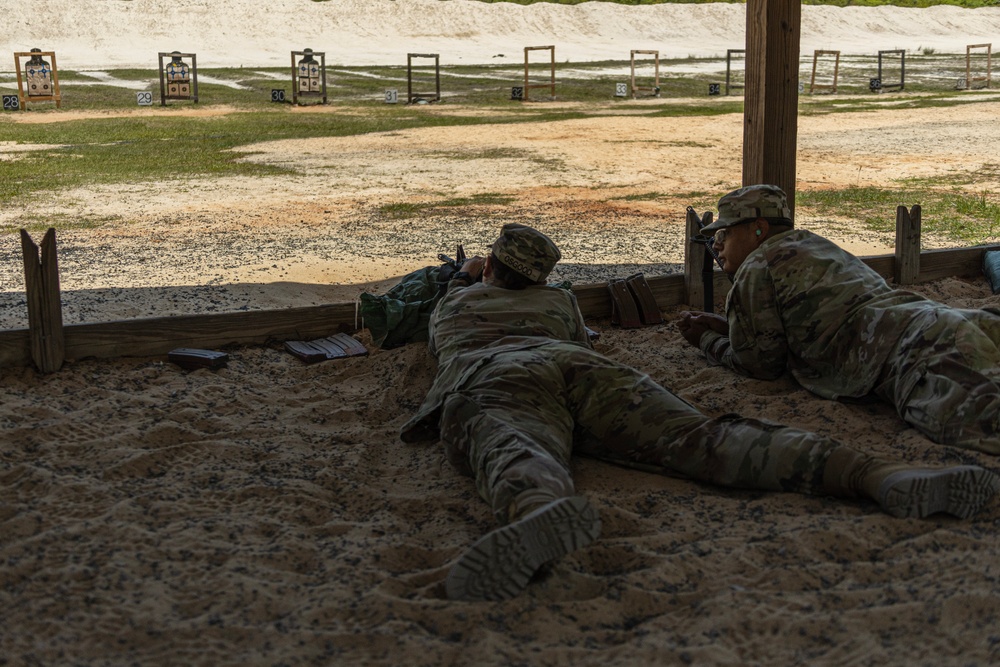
{"x":515,"y":423}
{"x":943,"y":378}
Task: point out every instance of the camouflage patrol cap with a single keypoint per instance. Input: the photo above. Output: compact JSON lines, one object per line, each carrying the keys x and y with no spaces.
{"x":750,"y":203}
{"x":526,"y":251}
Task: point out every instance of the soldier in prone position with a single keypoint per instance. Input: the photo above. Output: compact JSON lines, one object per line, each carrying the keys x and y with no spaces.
{"x":519,"y":389}
{"x":801,"y":303}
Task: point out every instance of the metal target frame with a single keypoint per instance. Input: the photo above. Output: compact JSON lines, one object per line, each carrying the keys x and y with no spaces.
{"x":883,"y":86}
{"x":23,"y":97}
{"x":968,"y":65}
{"x":164,"y":96}
{"x":729,"y":67}
{"x":412,"y":97}
{"x":552,"y":80}
{"x":832,"y":87}
{"x":655,"y":88}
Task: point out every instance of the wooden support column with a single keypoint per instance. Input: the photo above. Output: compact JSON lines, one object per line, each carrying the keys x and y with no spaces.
{"x":771,"y":94}
{"x":906,"y":268}
{"x":41,"y":281}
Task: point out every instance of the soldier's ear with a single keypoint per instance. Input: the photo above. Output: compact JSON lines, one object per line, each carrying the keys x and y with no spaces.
{"x":763,"y":227}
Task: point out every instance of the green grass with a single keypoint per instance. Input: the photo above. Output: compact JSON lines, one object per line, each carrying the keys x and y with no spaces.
{"x":404,"y":210}
{"x":954,"y":214}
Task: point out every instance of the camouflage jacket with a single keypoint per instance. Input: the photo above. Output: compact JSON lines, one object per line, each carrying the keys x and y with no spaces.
{"x":802,"y":303}
{"x":471,"y":325}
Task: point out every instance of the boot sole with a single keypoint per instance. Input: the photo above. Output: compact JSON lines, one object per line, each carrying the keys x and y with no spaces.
{"x":501,"y":564}
{"x":959,"y":491}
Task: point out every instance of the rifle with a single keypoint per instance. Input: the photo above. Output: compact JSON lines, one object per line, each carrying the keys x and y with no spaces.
{"x":456,"y":263}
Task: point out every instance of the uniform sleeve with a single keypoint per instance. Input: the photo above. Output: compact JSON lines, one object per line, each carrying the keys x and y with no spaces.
{"x":580,"y":330}
{"x":756,"y":345}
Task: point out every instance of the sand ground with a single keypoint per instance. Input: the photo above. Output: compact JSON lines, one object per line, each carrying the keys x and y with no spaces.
{"x":267,"y":514}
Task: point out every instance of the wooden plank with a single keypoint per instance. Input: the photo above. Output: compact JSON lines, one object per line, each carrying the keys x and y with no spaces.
{"x":960,"y":262}
{"x":694,"y":262}
{"x":595,"y":300}
{"x":907,"y":265}
{"x":15,"y":348}
{"x":160,"y":335}
{"x":41,"y":280}
{"x":881,"y":264}
{"x":52,"y":323}
{"x":770,"y":117}
{"x":33,"y":294}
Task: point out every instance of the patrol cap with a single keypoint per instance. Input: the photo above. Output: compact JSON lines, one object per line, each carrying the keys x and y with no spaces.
{"x":750,"y":203}
{"x":526,"y":251}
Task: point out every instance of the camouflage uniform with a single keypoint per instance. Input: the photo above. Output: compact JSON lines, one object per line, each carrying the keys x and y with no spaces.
{"x":801,"y":303}
{"x":519,"y":389}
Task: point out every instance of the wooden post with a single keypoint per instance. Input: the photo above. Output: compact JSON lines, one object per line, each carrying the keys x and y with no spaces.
{"x":907,"y":265}
{"x":699,"y":267}
{"x":41,"y":280}
{"x":771,"y":94}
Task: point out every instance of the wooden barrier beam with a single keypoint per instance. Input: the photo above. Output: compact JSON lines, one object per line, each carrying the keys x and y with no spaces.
{"x":150,"y":337}
{"x":159,"y":335}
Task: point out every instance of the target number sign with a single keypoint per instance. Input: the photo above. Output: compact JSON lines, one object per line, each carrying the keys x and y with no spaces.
{"x":11,"y":103}
{"x":875,"y":85}
{"x":517,"y":93}
{"x":392,"y":96}
{"x":621,"y":89}
{"x":277,"y":94}
{"x":144,"y":98}
{"x":714,"y":89}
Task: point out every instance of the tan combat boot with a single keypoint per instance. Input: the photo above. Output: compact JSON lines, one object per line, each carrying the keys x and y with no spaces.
{"x":905,"y":490}
{"x":501,"y":564}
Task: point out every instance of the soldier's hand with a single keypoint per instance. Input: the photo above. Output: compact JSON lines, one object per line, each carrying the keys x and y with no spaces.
{"x":693,"y":325}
